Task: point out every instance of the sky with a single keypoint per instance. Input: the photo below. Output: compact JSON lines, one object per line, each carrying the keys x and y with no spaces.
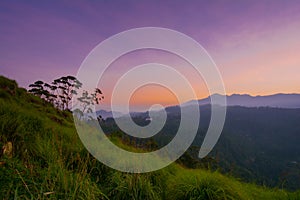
{"x":255,"y":44}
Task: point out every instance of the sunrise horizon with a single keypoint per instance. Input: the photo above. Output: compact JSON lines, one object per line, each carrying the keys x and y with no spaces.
{"x":255,"y":54}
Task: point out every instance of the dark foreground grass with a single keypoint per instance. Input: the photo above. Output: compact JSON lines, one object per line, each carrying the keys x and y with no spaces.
{"x":48,"y":161}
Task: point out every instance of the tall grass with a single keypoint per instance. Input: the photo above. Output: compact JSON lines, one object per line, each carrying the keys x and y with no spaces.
{"x":44,"y":143}
{"x":50,"y":162}
{"x":203,"y":185}
{"x":132,"y":186}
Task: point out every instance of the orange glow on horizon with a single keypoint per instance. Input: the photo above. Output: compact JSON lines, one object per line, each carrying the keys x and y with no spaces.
{"x":153,"y":94}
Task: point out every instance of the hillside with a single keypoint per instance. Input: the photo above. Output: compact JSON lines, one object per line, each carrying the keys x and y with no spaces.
{"x":43,"y":158}
{"x":257,"y":144}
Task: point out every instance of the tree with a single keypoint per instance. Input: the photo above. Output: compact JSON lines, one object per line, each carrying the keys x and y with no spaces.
{"x":88,"y":100}
{"x":38,"y":88}
{"x":59,"y":93}
{"x":65,"y":88}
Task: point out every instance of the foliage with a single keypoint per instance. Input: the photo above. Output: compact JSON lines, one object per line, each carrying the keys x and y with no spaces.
{"x":50,"y":162}
{"x":88,"y":100}
{"x":59,"y":93}
{"x":258,"y":145}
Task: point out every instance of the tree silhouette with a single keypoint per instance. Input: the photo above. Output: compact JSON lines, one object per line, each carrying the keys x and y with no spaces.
{"x":65,"y":88}
{"x":59,"y":93}
{"x":88,"y":100}
{"x":38,"y":88}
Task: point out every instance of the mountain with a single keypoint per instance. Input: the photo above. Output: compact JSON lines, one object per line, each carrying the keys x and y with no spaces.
{"x":276,"y":100}
{"x":245,"y":100}
{"x":106,"y":114}
{"x":42,"y":157}
{"x":257,"y":144}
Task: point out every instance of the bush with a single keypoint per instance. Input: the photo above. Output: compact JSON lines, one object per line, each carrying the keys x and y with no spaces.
{"x":132,"y":186}
{"x":206,"y":186}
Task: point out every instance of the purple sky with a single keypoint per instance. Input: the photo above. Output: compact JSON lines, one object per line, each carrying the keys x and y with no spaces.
{"x":255,"y":44}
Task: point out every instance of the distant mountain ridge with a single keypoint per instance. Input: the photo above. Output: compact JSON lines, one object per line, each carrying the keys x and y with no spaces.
{"x":246,"y":100}
{"x":107,"y":114}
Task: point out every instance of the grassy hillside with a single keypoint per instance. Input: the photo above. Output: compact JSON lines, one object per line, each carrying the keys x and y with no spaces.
{"x":256,"y":144}
{"x":48,"y":161}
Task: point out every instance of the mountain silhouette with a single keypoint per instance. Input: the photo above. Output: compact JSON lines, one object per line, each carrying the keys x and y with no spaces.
{"x":245,"y":100}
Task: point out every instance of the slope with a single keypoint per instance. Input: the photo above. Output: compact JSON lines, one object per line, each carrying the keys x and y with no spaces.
{"x":48,"y":161}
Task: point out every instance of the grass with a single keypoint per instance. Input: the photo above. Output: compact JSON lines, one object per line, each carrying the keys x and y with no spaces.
{"x":49,"y":162}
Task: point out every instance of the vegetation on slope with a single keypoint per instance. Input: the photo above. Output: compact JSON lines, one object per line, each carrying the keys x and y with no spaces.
{"x":48,"y":161}
{"x":257,"y":144}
